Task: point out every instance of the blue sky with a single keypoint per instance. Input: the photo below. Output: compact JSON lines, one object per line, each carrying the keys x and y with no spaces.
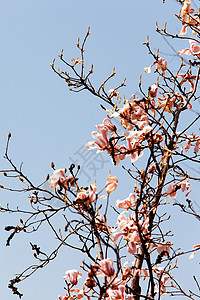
{"x":47,"y":122}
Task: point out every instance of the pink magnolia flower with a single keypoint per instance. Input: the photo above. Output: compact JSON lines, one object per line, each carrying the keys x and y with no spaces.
{"x":188,"y":142}
{"x":60,"y":177}
{"x":186,"y":19}
{"x":106,"y":268}
{"x":161,"y":63}
{"x":153,"y":90}
{"x":82,"y":195}
{"x":117,"y":282}
{"x":187,"y":77}
{"x":183,"y":30}
{"x":167,"y":103}
{"x":129,"y":231}
{"x":186,"y":10}
{"x":194,"y":49}
{"x":132,"y":248}
{"x":73,"y":276}
{"x":134,"y":147}
{"x":122,"y":221}
{"x":103,"y":141}
{"x":126,"y":225}
{"x":113,"y":294}
{"x":194,"y":21}
{"x":192,"y":138}
{"x":146,"y":273}
{"x":85,"y":197}
{"x":172,"y":189}
{"x":135,"y":238}
{"x":162,"y":284}
{"x":116,"y":235}
{"x":102,"y":137}
{"x":116,"y":294}
{"x":134,"y":139}
{"x":132,"y":114}
{"x":126,"y":203}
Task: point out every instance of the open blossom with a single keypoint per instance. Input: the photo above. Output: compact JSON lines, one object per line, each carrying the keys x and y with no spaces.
{"x":102,"y":137}
{"x":161,"y":64}
{"x":132,"y":248}
{"x":89,"y":194}
{"x":129,"y":231}
{"x":60,"y":177}
{"x":135,"y":139}
{"x":132,"y":114}
{"x":134,"y":147}
{"x":186,"y":9}
{"x":186,"y":20}
{"x":104,"y":142}
{"x":153,"y":90}
{"x":86,"y":196}
{"x":189,"y":140}
{"x":172,"y":188}
{"x":126,"y":203}
{"x":73,"y":276}
{"x":106,"y":268}
{"x":168,"y":103}
{"x":187,"y":78}
{"x":114,"y":294}
{"x":194,"y":49}
{"x":194,"y":21}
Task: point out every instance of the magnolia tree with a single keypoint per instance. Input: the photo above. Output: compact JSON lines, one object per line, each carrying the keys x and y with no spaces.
{"x":152,"y":129}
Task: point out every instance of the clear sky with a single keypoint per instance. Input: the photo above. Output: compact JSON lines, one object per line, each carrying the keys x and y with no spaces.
{"x":48,"y":123}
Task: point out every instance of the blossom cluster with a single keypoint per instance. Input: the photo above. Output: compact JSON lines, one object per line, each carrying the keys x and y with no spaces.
{"x":134,"y":117}
{"x":117,"y":285}
{"x":142,"y":123}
